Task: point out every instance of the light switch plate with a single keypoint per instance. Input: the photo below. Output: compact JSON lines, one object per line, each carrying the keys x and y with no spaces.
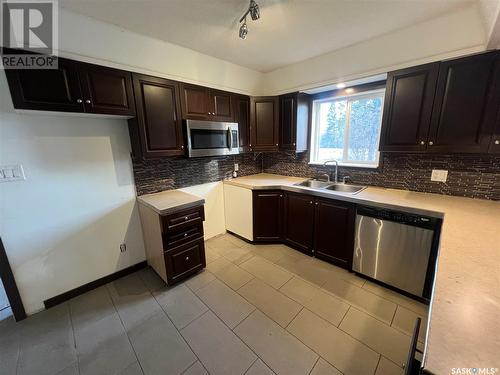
{"x":439,"y":175}
{"x":9,"y":173}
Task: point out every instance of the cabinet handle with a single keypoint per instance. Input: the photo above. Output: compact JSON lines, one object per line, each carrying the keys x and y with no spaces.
{"x":422,"y":143}
{"x":276,"y":144}
{"x":186,"y":218}
{"x":79,"y":101}
{"x":185,"y":234}
{"x":497,"y":141}
{"x":431,"y":143}
{"x":310,"y":202}
{"x":187,"y":258}
{"x":87,"y":101}
{"x":293,"y":144}
{"x":281,"y":195}
{"x":182,"y":147}
{"x":316,"y":203}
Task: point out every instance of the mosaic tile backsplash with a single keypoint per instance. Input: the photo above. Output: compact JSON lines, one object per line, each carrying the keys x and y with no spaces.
{"x":154,"y":175}
{"x":475,"y":176}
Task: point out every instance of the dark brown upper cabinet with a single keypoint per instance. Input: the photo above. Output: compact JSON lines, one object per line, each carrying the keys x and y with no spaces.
{"x":446,"y":107}
{"x":107,"y":90}
{"x":294,"y":122}
{"x":158,"y":124}
{"x":264,"y":123}
{"x":495,"y":139}
{"x":407,"y":112}
{"x":299,"y":222}
{"x":242,"y":117}
{"x":334,"y":232}
{"x":203,"y":103}
{"x":267,"y":215}
{"x":47,"y":89}
{"x":465,"y":105}
{"x":73,"y":87}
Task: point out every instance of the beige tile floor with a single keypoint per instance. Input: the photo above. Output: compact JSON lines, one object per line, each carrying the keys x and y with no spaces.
{"x":256,"y":309}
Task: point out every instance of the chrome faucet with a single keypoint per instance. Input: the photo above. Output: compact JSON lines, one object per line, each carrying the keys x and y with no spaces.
{"x":336,"y":179}
{"x":318,"y":177}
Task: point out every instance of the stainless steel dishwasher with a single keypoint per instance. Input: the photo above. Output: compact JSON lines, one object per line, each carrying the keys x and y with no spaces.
{"x":396,"y":248}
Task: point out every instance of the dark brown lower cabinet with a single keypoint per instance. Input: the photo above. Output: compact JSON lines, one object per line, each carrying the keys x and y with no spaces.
{"x":299,"y":222}
{"x":267,"y":215}
{"x":315,"y":226}
{"x":334,"y":232}
{"x":174,"y":243}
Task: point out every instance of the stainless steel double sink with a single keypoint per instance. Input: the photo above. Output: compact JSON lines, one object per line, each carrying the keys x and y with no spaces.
{"x":332,"y":186}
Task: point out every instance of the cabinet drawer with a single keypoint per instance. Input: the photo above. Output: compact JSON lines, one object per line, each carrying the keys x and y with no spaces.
{"x":185,"y":260}
{"x":183,"y":219}
{"x":184,"y":235}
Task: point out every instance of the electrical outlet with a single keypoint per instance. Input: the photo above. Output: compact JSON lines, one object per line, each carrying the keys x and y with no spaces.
{"x":236,"y":167}
{"x":123,"y":248}
{"x":439,"y":175}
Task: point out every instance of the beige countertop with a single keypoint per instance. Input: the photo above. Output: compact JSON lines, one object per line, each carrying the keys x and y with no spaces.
{"x":170,"y":201}
{"x":464,"y":321}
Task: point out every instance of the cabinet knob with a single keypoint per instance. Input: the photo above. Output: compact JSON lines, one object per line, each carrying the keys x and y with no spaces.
{"x":316,"y":203}
{"x":422,"y":143}
{"x":186,"y":218}
{"x":497,"y":141}
{"x":182,"y":147}
{"x":79,"y":101}
{"x":310,"y":202}
{"x":87,"y":101}
{"x":185,"y":234}
{"x":276,"y":144}
{"x":293,"y":144}
{"x":431,"y":143}
{"x":187,"y":258}
{"x":281,"y":195}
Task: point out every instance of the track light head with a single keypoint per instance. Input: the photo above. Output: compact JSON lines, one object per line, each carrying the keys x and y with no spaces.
{"x":243,"y":30}
{"x":254,"y":10}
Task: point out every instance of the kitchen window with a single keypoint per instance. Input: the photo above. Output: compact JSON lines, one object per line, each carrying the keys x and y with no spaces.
{"x":347,"y":129}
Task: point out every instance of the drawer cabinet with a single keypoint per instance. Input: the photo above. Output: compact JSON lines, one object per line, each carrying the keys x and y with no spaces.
{"x":183,"y":219}
{"x":174,"y":243}
{"x":185,"y":260}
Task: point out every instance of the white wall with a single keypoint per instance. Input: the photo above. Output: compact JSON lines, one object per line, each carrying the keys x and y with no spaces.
{"x":213,"y":192}
{"x":62,"y":226}
{"x":452,"y":35}
{"x":86,"y":39}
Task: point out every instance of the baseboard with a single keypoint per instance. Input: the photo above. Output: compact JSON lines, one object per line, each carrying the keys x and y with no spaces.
{"x":51,"y":302}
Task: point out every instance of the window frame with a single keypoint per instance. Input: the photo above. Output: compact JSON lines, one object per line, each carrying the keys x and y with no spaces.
{"x":342,"y":95}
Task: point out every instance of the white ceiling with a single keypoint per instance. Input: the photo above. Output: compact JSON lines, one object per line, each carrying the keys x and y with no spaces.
{"x":288,"y":31}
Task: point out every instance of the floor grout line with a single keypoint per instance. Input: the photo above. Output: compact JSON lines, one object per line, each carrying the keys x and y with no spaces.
{"x":74,"y":338}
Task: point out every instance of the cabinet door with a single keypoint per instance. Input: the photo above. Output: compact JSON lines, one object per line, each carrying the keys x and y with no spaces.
{"x":264,"y":120}
{"x":407,"y":108}
{"x":107,"y":90}
{"x":47,"y":89}
{"x":195,"y":102}
{"x":185,"y":260}
{"x":460,"y":119}
{"x":299,"y":222}
{"x":222,"y":108}
{"x":267,"y":215}
{"x":158,"y":120}
{"x":495,"y":140}
{"x":242,"y":117}
{"x":288,"y":113}
{"x":334,"y":232}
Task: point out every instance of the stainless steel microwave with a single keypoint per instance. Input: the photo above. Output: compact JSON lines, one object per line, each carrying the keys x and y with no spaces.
{"x":211,"y":138}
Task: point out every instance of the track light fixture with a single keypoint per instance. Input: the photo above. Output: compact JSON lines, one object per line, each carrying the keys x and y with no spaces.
{"x":254,"y":11}
{"x":244,"y":29}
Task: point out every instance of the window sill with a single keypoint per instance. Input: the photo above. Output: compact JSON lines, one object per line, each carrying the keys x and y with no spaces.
{"x":347,"y":165}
